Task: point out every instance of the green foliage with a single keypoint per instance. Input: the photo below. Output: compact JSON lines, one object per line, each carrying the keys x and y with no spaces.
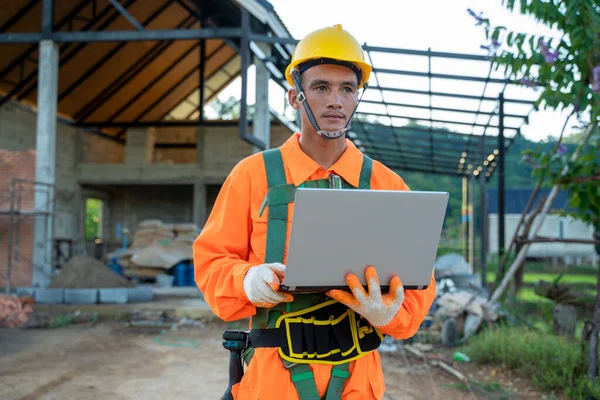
{"x":553,"y":363}
{"x":568,"y":72}
{"x":487,"y":388}
{"x":93,"y":218}
{"x":563,"y":68}
{"x":580,"y":178}
{"x":62,"y":320}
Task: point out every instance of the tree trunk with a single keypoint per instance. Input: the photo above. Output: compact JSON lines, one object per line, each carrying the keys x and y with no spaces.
{"x":593,"y":349}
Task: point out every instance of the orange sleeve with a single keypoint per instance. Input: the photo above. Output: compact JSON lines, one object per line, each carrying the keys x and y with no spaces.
{"x":221,"y":251}
{"x":412,"y":313}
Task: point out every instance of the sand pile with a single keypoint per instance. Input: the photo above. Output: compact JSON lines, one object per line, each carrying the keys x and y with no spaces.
{"x":87,"y":273}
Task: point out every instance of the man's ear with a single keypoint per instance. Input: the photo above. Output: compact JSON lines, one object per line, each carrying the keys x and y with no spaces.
{"x":293,"y":99}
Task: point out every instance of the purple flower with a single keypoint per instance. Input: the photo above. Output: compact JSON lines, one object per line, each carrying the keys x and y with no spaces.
{"x":562,"y":149}
{"x":527,"y":159}
{"x":596,"y":79}
{"x":526,"y":82}
{"x":550,"y":56}
{"x":495,"y":43}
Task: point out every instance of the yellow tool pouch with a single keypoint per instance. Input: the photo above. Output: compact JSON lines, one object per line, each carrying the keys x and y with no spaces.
{"x":327,"y":333}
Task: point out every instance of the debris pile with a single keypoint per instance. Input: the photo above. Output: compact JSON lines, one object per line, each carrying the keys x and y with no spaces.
{"x":83,"y":272}
{"x":15,"y":311}
{"x":459,"y":308}
{"x":157,"y":247}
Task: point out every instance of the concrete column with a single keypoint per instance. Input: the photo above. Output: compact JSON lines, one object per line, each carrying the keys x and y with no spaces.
{"x":139,"y":147}
{"x":200,"y":204}
{"x":261,"y":125}
{"x":45,"y":162}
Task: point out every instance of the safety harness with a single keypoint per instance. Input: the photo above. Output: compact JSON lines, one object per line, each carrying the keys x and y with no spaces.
{"x":313,"y":328}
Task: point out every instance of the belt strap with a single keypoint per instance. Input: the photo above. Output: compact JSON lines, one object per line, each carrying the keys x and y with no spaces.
{"x":339,"y":375}
{"x":304,"y":381}
{"x":277,"y":221}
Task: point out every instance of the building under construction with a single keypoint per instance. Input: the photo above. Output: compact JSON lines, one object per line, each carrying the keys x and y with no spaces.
{"x":108,"y":100}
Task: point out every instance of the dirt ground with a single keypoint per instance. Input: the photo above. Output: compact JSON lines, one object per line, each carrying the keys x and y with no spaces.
{"x":111,"y":360}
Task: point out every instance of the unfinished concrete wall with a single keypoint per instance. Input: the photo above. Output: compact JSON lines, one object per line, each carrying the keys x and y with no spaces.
{"x":142,"y":196}
{"x":17,"y":146}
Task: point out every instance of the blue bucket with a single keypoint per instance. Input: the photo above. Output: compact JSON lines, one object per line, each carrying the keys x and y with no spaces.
{"x":184,"y":274}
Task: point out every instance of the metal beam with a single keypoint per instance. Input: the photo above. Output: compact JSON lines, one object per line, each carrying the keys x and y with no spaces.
{"x":17,"y":17}
{"x":441,"y":76}
{"x":500,"y":167}
{"x":443,"y":153}
{"x":123,"y":36}
{"x":433,"y":120}
{"x":446,"y":94}
{"x":47,"y":18}
{"x":122,"y":80}
{"x":458,"y":110}
{"x":169,"y":123}
{"x":127,"y":15}
{"x":150,"y":84}
{"x":272,"y":39}
{"x":31,"y":49}
{"x":33,"y":76}
{"x":147,"y":35}
{"x":245,"y":64}
{"x":113,"y":52}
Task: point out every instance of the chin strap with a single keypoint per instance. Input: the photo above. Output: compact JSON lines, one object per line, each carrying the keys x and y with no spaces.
{"x":313,"y":121}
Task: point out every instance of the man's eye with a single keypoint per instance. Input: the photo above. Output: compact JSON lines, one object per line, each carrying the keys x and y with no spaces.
{"x":348,"y":90}
{"x":321,"y":88}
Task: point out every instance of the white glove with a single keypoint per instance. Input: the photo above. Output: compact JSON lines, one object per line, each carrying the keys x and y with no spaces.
{"x":378,"y":309}
{"x":261,"y":285}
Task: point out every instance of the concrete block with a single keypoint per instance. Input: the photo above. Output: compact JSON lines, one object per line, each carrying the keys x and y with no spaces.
{"x":140,"y":294}
{"x":50,"y":296}
{"x":25,"y":291}
{"x":116,"y":295}
{"x":81,"y":296}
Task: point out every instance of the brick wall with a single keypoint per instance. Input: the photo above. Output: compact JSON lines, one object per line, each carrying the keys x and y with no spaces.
{"x":21,"y":165}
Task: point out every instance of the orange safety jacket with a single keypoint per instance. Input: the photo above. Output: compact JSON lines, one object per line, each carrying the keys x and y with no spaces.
{"x":234,"y":239}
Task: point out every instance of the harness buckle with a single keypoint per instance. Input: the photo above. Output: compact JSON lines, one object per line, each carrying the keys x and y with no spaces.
{"x":289,"y":365}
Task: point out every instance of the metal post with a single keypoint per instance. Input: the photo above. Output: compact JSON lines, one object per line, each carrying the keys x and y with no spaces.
{"x":261,"y":127}
{"x":483,"y":218}
{"x":464,"y":219}
{"x":471,"y":221}
{"x":202,"y":77}
{"x":245,"y":63}
{"x":47,"y":18}
{"x":500,"y":166}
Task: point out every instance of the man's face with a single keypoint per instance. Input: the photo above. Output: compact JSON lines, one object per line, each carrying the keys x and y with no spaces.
{"x":331,"y":92}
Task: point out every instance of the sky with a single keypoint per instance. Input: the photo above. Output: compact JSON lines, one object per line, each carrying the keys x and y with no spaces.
{"x":443,"y":26}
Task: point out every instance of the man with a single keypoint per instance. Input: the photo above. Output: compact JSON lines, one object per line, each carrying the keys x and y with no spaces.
{"x":304,"y":346}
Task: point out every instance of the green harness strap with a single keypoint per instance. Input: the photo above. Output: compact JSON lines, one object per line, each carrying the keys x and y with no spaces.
{"x":279,"y":195}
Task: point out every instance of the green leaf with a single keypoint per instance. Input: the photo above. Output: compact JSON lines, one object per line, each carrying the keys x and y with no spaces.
{"x":575,"y":200}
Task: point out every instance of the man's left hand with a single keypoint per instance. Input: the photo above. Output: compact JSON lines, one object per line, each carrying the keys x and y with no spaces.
{"x":378,"y":309}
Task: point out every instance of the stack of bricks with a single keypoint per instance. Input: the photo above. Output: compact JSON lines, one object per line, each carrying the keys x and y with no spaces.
{"x":17,"y":164}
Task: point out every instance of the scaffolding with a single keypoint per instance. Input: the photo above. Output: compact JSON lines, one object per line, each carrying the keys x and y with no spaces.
{"x":32,"y":201}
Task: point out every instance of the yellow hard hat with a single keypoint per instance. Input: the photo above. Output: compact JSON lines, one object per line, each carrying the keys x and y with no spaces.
{"x":332,"y":43}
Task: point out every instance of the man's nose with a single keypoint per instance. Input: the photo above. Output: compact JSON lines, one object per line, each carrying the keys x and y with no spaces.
{"x":335,"y":100}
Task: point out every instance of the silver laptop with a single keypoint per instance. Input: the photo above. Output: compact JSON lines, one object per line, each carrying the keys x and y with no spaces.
{"x":338,"y":231}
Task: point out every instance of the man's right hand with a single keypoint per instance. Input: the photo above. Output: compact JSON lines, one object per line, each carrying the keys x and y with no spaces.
{"x":261,"y":285}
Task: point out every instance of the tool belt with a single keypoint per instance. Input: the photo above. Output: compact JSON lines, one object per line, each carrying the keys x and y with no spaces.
{"x":327,"y":333}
